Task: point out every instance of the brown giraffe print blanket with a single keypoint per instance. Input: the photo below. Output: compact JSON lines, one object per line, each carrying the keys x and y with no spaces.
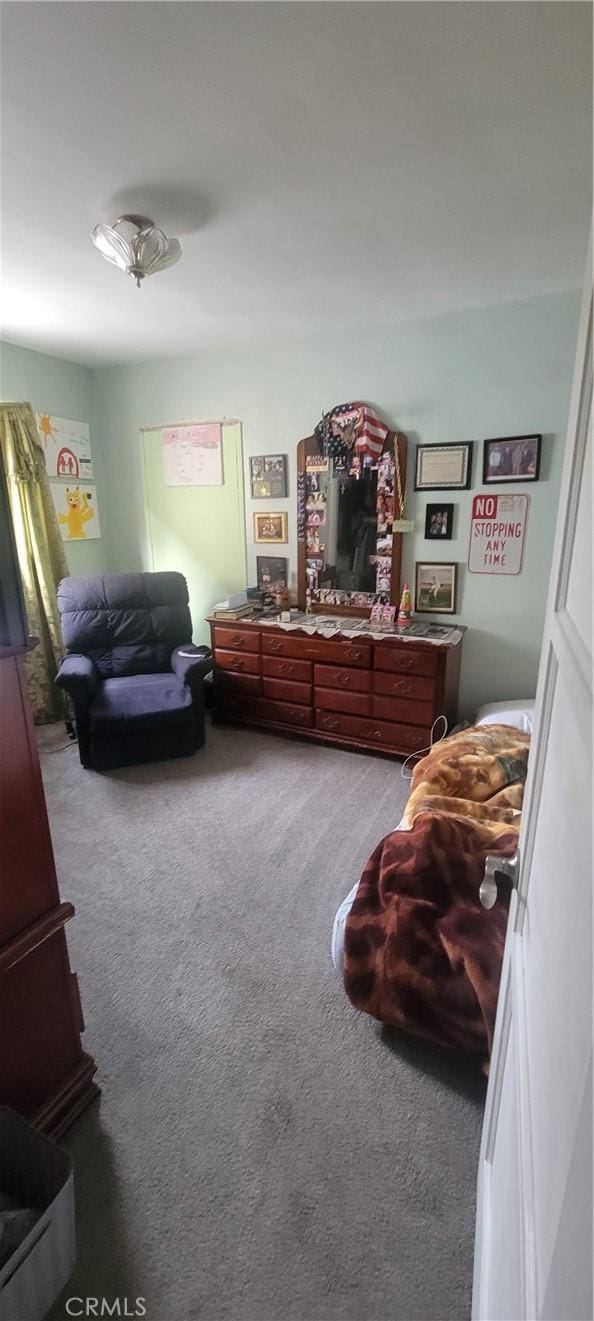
{"x":421,"y":953}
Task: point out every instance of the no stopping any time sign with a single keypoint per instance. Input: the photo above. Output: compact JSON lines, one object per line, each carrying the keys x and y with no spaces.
{"x":497,"y":532}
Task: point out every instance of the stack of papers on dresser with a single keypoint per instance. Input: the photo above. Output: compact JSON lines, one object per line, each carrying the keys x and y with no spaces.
{"x":238,"y":604}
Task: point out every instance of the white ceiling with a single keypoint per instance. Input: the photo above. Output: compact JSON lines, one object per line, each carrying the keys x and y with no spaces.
{"x":324,"y":165}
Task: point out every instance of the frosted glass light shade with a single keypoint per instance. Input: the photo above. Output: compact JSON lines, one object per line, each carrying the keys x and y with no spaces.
{"x":137,"y":246}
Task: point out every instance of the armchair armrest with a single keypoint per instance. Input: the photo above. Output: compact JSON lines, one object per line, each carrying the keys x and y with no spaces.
{"x":191,"y":664}
{"x":78,"y":676}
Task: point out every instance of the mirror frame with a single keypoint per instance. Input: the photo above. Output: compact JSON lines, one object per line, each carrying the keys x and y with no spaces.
{"x":310,"y":446}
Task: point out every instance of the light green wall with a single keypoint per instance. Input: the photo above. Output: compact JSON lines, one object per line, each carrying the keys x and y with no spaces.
{"x":51,"y":385}
{"x":496,"y":371}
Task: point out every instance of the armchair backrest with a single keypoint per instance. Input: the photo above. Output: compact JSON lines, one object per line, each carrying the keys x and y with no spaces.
{"x":127,"y":623}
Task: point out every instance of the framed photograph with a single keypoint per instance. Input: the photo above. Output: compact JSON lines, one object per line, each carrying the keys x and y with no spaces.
{"x":435,"y":588}
{"x":511,"y":459}
{"x":443,"y":467}
{"x":272,"y":573}
{"x":268,"y":476}
{"x":270,"y":528}
{"x":439,"y":521}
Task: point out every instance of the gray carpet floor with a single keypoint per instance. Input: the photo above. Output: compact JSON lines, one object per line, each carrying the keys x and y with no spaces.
{"x":260,"y":1152}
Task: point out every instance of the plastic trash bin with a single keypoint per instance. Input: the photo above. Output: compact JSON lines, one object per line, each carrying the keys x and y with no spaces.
{"x":34,"y":1172}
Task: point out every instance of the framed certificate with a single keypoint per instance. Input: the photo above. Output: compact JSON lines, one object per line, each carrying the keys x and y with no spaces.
{"x":443,"y":467}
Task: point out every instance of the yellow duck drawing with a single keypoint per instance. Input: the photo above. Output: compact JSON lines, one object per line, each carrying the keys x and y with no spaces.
{"x":79,"y":513}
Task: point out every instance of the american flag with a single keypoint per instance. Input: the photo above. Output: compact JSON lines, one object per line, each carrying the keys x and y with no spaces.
{"x":354,"y":426}
{"x":372,"y":432}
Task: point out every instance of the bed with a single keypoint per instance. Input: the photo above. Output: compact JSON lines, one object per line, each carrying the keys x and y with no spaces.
{"x":414,"y":913}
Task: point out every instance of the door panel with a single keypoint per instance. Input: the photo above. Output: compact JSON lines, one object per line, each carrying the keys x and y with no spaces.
{"x":567,"y":1293}
{"x":558,"y":1016}
{"x":579,"y":598}
{"x":198,"y":530}
{"x":504,"y":1294}
{"x":535,"y":1175}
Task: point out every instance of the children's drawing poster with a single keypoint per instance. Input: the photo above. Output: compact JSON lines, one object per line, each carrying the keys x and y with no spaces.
{"x":76,"y":510}
{"x":497,"y":532}
{"x":67,"y":447}
{"x":193,"y":456}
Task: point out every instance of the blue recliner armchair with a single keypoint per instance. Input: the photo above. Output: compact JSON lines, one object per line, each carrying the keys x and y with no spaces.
{"x":134,"y":677}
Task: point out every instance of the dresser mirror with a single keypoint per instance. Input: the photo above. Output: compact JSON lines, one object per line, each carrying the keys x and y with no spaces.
{"x":349,"y":555}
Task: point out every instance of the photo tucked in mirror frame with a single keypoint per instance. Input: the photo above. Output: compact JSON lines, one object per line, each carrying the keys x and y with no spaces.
{"x":349,"y":554}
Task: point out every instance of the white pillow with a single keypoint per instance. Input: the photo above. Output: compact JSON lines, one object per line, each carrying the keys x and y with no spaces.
{"x":520,"y":714}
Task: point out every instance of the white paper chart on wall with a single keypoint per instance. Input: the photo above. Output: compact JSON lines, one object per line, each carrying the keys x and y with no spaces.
{"x":193,"y":455}
{"x":497,"y":534}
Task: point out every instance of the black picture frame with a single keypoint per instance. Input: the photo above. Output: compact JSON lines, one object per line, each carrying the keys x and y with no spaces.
{"x":435,"y":528}
{"x":508,"y":447}
{"x":268,"y":476}
{"x":426,"y":452}
{"x":277,"y":567}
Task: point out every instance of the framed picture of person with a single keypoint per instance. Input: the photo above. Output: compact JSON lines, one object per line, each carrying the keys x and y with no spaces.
{"x":268,"y":476}
{"x":511,"y":459}
{"x":272,"y":573}
{"x":435,"y":588}
{"x":439,"y":521}
{"x":270,"y":528}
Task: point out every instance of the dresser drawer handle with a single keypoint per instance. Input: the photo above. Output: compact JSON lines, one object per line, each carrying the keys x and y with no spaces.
{"x":285,"y":668}
{"x":329,"y":723}
{"x":297,"y":715}
{"x":401,"y":686}
{"x":375,"y":733}
{"x":276,"y":644}
{"x":353,"y":653}
{"x":238,"y":640}
{"x":237,"y":663}
{"x":343,"y":679}
{"x":405,"y":662}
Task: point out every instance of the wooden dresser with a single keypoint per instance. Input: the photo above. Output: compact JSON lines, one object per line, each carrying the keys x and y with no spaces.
{"x":44,"y":1072}
{"x":360,"y":693}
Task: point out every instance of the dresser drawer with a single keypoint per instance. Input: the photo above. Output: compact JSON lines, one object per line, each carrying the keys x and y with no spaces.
{"x":403,"y":685}
{"x":405,"y":660}
{"x":284,"y":690}
{"x":373,"y":731}
{"x":398,"y":708}
{"x":236,"y":639}
{"x":353,"y":681}
{"x":310,"y":648}
{"x":228,"y":681}
{"x":335,"y":699}
{"x":283,"y":713}
{"x":249,"y":663}
{"x":274,"y":667}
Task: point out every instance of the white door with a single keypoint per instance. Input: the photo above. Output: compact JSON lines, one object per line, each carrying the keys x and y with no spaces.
{"x":533,"y":1256}
{"x":199,"y":530}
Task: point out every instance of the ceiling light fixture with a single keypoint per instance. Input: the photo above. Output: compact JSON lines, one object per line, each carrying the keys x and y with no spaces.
{"x":137,"y":246}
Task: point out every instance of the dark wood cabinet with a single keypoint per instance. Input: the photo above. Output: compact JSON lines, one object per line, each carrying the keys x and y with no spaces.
{"x":367,"y":694}
{"x":44,"y":1073}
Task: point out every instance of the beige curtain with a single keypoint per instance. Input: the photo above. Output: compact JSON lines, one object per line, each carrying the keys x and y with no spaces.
{"x":41,"y":557}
